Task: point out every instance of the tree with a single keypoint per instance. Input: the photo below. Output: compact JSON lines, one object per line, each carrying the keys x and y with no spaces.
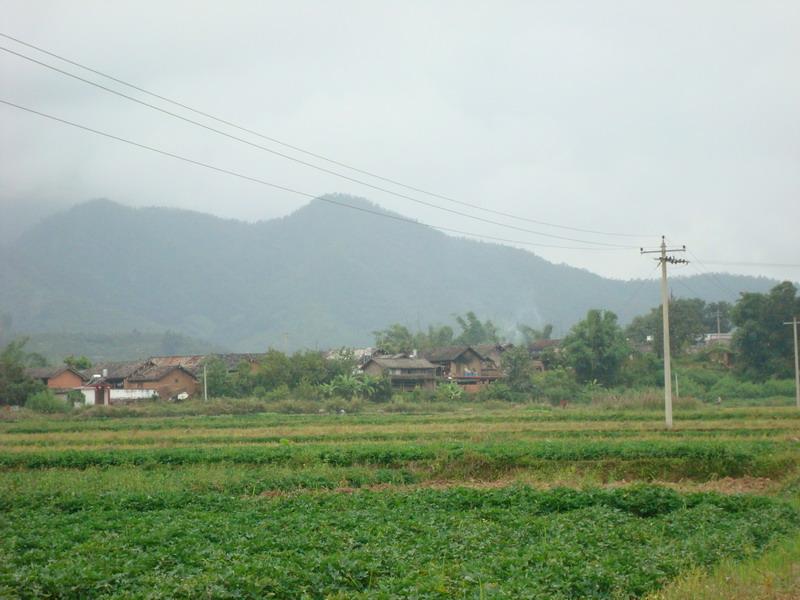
{"x":763,"y":344}
{"x":518,"y":368}
{"x":596,"y":348}
{"x":435,"y":337}
{"x":79,"y":363}
{"x":15,"y":385}
{"x":534,"y":335}
{"x":473,"y":331}
{"x":217,"y":378}
{"x":710,"y":313}
{"x":397,"y":339}
{"x":686,"y":324}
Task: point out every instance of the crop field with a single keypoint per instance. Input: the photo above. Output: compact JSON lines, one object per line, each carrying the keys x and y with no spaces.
{"x":523,"y":502}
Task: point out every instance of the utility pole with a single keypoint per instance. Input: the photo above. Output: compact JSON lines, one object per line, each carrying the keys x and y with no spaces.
{"x":793,"y":323}
{"x":664,"y":259}
{"x":719,"y":329}
{"x":205,"y":384}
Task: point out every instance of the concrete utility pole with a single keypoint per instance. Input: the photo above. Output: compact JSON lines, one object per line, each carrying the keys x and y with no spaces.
{"x":664,"y":259}
{"x":793,"y":323}
{"x":205,"y":384}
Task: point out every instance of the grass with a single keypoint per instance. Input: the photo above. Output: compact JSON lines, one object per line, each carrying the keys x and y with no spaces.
{"x":773,"y":576}
{"x":463,"y":503}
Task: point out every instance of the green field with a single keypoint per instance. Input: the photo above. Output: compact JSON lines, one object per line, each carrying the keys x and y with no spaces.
{"x":524,"y":502}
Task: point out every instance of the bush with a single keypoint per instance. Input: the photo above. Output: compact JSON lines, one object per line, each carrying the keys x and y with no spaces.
{"x":449,"y":392}
{"x":497,"y":390}
{"x":557,"y":386}
{"x":46,"y":402}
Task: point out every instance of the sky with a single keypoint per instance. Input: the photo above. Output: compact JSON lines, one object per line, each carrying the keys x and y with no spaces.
{"x":645,"y":119}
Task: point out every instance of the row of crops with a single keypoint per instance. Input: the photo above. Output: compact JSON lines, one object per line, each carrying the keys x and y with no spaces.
{"x":428,"y":506}
{"x":513,"y":543}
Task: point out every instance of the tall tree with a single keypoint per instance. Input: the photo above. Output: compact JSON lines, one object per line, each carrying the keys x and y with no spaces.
{"x":763,"y":344}
{"x":596,"y":348}
{"x":717,"y":312}
{"x":15,"y":385}
{"x":534,"y":335}
{"x":473,"y":331}
{"x":395,"y":339}
{"x":686,"y":324}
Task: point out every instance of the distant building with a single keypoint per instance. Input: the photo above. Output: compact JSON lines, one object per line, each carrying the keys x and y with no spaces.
{"x":405,"y":373}
{"x":58,"y":378}
{"x":168,"y":382}
{"x":465,"y":366}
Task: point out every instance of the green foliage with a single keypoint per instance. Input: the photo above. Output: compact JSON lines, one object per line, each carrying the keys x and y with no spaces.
{"x":515,"y":542}
{"x":687,"y":322}
{"x":474,"y":332}
{"x":557,"y":387}
{"x":449,"y":392}
{"x":79,"y":363}
{"x":498,"y":390}
{"x":596,"y":348}
{"x":763,"y":344}
{"x":717,"y":313}
{"x":531,"y":335}
{"x":397,"y":339}
{"x":75,"y":397}
{"x":643,"y":370}
{"x":45,"y":401}
{"x":517,"y":368}
{"x":15,"y":385}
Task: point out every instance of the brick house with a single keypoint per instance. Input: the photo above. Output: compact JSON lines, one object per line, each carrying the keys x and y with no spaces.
{"x":168,"y":381}
{"x":58,"y":378}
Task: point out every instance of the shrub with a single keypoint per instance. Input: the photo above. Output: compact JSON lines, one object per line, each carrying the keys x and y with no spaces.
{"x":449,"y":392}
{"x":46,"y":402}
{"x":557,"y":386}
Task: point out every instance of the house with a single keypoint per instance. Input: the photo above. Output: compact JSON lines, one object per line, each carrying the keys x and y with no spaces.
{"x":168,"y":382}
{"x":194,"y":363}
{"x":58,"y":378}
{"x":492,"y":357}
{"x":115,"y":374}
{"x":405,"y":373}
{"x":464,"y":366}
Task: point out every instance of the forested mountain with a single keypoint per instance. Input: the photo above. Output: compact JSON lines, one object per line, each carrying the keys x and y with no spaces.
{"x":322,"y":276}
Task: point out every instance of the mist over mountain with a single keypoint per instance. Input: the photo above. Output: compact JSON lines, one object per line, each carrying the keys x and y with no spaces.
{"x":323,"y":276}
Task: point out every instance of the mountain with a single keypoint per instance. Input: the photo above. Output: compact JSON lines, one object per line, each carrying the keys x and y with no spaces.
{"x":322,"y":276}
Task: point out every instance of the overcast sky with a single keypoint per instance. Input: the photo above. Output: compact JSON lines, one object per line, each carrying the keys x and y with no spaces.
{"x":643,"y":118}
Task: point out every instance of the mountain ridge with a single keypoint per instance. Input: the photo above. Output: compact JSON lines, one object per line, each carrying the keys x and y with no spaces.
{"x":321,"y":276}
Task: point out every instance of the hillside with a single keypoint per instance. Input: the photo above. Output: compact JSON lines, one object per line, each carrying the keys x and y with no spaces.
{"x":322,"y":276}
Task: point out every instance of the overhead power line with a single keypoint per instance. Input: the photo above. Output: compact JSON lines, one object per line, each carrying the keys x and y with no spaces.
{"x":287,"y":145}
{"x":288,"y":189}
{"x":727,"y":263}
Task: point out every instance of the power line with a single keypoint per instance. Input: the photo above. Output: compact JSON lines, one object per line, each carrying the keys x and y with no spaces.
{"x":285,"y":188}
{"x":752,"y":264}
{"x":285,"y":144}
{"x":712,"y":275}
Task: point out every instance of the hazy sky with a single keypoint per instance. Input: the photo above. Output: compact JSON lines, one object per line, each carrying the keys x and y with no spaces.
{"x":680,"y":118}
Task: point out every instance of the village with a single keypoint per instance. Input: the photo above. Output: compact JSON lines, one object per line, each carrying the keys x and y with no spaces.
{"x":183,"y":377}
{"x":180,"y":377}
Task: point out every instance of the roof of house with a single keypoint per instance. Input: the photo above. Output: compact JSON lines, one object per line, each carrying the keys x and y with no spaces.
{"x":51,"y":372}
{"x":448,"y":353}
{"x":156,"y":373}
{"x":194,"y":363}
{"x":401,"y":363}
{"x":540,"y":345}
{"x":115,"y":370}
{"x":232,"y":360}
